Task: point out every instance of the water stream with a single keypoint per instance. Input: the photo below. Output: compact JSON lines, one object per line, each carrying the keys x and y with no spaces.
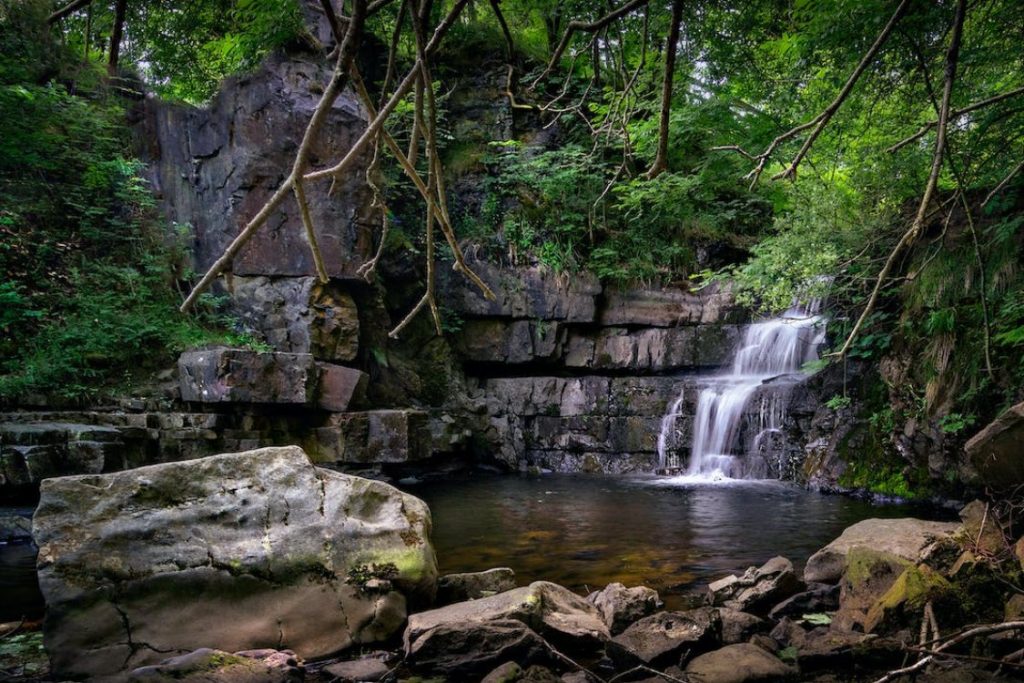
{"x":766,"y":363}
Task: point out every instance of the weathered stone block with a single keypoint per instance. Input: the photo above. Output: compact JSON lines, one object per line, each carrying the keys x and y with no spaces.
{"x":340,"y":387}
{"x":236,"y":551}
{"x":515,"y":342}
{"x":997,"y":452}
{"x":668,"y":307}
{"x":374,"y":436}
{"x":224,"y":375}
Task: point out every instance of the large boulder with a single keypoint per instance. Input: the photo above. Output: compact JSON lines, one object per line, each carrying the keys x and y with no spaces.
{"x":907,"y":538}
{"x":236,"y":551}
{"x":996,"y":453}
{"x":554,"y":612}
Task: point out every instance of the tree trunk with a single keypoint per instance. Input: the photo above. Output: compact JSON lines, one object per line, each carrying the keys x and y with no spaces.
{"x":660,"y":164}
{"x":115,"y":37}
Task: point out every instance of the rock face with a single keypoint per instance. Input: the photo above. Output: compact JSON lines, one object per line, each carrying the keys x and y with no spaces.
{"x":996,"y":451}
{"x":215,"y":167}
{"x":250,"y":550}
{"x":906,"y":538}
{"x":31,"y":452}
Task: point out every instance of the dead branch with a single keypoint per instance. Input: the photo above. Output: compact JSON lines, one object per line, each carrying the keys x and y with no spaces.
{"x":939,"y":650}
{"x":995,"y":99}
{"x":908,"y":238}
{"x":331,"y":92}
{"x":588,"y":27}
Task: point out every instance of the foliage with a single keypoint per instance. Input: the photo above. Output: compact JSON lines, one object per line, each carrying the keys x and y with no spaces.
{"x":88,"y":275}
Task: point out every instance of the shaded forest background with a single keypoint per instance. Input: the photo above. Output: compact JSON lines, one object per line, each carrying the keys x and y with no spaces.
{"x":671,"y":157}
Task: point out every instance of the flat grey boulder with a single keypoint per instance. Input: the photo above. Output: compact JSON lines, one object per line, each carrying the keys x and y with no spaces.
{"x":661,"y":639}
{"x":908,"y":538}
{"x":236,"y":551}
{"x":453,"y":588}
{"x":621,"y":606}
{"x":554,"y":612}
{"x":363,"y":669}
{"x":739,"y":663}
{"x":215,"y":666}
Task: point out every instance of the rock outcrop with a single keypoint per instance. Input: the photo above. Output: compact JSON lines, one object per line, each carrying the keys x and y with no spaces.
{"x":996,"y":453}
{"x":250,"y":550}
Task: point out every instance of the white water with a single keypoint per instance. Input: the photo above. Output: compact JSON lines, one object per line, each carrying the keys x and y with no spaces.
{"x":770,"y":349}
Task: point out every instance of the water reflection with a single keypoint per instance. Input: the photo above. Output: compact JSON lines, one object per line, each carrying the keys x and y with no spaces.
{"x":585,"y":532}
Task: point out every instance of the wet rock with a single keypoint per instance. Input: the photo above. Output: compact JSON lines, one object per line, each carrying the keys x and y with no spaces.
{"x":739,"y":664}
{"x":994,"y":452}
{"x":246,"y":548}
{"x":363,"y":669}
{"x":621,"y":606}
{"x":738,"y":627}
{"x":661,"y":639}
{"x":509,"y":342}
{"x":453,"y":588}
{"x":758,"y":589}
{"x":461,"y":650}
{"x":554,"y":612}
{"x":15,"y":528}
{"x":33,"y":451}
{"x":820,"y":598}
{"x":907,"y":538}
{"x":216,"y":666}
{"x":299,"y":315}
{"x":900,"y":606}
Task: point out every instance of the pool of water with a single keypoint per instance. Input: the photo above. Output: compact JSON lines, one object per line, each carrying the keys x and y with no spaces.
{"x":587,"y":531}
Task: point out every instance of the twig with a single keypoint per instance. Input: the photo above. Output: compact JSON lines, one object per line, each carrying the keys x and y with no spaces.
{"x":995,"y":99}
{"x":987,"y":629}
{"x":1003,"y":183}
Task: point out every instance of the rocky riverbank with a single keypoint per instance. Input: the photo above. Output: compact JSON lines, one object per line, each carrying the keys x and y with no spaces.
{"x":259,"y":566}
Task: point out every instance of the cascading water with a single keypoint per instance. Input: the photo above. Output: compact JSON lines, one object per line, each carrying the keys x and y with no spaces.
{"x":770,"y":349}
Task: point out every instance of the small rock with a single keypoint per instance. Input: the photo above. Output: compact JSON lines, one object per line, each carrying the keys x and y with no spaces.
{"x":738,"y":627}
{"x":15,"y":528}
{"x":621,"y":606}
{"x":820,"y":598}
{"x":739,"y":664}
{"x":660,"y":639}
{"x":365,"y":669}
{"x":473,"y":585}
{"x":981,"y":531}
{"x":759,"y":588}
{"x":509,"y":672}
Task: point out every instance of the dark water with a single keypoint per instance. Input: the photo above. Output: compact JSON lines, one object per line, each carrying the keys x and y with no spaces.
{"x":587,"y":531}
{"x":19,"y":589}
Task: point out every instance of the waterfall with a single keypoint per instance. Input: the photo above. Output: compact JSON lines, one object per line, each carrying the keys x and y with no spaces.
{"x":773,"y":349}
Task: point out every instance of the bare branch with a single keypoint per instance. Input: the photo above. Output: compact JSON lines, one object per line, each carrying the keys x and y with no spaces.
{"x":952,"y":57}
{"x":995,"y":99}
{"x":1003,"y":183}
{"x":985,"y":630}
{"x":826,"y":116}
{"x":591,"y":27}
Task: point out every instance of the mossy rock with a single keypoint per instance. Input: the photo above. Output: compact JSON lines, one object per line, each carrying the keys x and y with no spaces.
{"x":903,"y":603}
